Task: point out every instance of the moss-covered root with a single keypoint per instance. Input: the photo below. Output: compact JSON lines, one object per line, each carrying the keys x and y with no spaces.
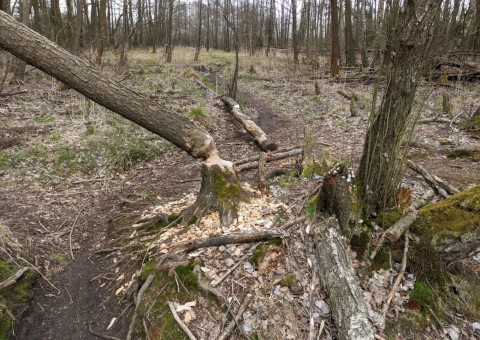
{"x":220,"y":191}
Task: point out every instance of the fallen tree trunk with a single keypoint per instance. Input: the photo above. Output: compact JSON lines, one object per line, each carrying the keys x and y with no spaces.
{"x":253,"y":129}
{"x":255,"y":157}
{"x":45,"y":55}
{"x":438,"y":184}
{"x":338,"y":278}
{"x":269,"y":158}
{"x":40,"y":52}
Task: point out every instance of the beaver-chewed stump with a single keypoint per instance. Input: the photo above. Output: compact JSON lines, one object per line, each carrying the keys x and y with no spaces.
{"x":220,"y":191}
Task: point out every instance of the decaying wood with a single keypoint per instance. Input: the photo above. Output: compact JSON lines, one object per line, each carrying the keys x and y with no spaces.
{"x":393,"y":290}
{"x":231,"y":326}
{"x":180,"y":322}
{"x":435,"y":120}
{"x":269,"y":158}
{"x":218,"y":241}
{"x":14,"y":278}
{"x":438,"y":184}
{"x":395,"y":231}
{"x":334,"y":195}
{"x":262,"y":184}
{"x":340,"y":282}
{"x":253,"y":129}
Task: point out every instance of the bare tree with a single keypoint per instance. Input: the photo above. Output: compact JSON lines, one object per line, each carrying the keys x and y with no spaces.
{"x":334,"y":64}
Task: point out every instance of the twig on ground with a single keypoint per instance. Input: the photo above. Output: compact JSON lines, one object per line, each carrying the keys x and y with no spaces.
{"x":313,"y":288}
{"x":206,"y":286}
{"x":180,"y":322}
{"x":138,"y":299}
{"x":239,"y":262}
{"x":71,"y":232}
{"x":397,"y":281}
{"x":229,"y":329}
{"x":12,"y":279}
{"x":101,"y":336}
{"x":39,"y":272}
{"x":292,"y":223}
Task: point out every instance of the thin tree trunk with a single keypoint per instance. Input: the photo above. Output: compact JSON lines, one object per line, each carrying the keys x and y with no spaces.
{"x":199,"y":35}
{"x":349,"y":44}
{"x":334,"y":66}
{"x":294,"y":32}
{"x":20,"y":70}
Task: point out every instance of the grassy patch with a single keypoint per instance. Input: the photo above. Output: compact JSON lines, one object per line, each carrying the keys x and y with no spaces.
{"x":197,"y":113}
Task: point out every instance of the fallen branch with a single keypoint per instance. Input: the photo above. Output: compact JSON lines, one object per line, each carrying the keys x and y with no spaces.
{"x":71,"y":232}
{"x":395,"y":231}
{"x":217,"y":241}
{"x":397,"y":281}
{"x":253,"y":129}
{"x":340,"y":282}
{"x":268,"y":158}
{"x":137,"y":300}
{"x":438,"y":184}
{"x":101,"y":336}
{"x":7,"y":94}
{"x":180,"y":322}
{"x":208,"y":287}
{"x":239,"y":262}
{"x":14,"y":278}
{"x":231,"y":326}
{"x":255,"y":157}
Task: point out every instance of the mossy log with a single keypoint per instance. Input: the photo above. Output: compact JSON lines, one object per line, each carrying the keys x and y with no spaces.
{"x":253,"y":129}
{"x":340,"y":282}
{"x":452,"y":226}
{"x":220,"y":191}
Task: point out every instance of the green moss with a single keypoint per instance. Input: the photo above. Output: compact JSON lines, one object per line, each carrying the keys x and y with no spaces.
{"x":314,"y":168}
{"x":164,"y":288}
{"x":360,"y":243}
{"x":448,"y":221}
{"x":192,"y":220}
{"x":312,"y":205}
{"x":260,"y":251}
{"x":5,"y":324}
{"x":227,"y":189}
{"x":381,"y":261}
{"x":288,"y":281}
{"x":389,"y":218}
{"x":422,"y":293}
{"x":410,"y":325}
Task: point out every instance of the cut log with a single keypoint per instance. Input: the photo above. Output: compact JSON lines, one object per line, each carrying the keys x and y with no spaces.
{"x":269,"y":158}
{"x":336,"y":272}
{"x":12,"y":279}
{"x":45,"y":55}
{"x":438,"y":184}
{"x":261,"y":182}
{"x":253,"y":129}
{"x":395,"y":231}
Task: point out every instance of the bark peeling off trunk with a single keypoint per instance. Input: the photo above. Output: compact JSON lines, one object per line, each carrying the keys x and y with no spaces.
{"x":220,"y":191}
{"x":338,"y":278}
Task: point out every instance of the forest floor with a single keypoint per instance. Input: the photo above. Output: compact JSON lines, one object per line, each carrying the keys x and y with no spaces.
{"x":74,"y":176}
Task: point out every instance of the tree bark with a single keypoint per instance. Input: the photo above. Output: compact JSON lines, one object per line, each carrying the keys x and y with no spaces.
{"x":349,"y":44}
{"x":38,"y":51}
{"x":338,"y":278}
{"x":334,"y":66}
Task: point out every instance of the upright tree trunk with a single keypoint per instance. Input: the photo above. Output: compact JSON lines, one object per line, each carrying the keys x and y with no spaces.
{"x":294,"y":32}
{"x":199,"y":35}
{"x":169,"y":45}
{"x":102,"y":37}
{"x":77,"y":38}
{"x":408,"y":51}
{"x":20,"y":70}
{"x":334,"y":65}
{"x":123,"y":53}
{"x":5,"y":6}
{"x":207,"y":39}
{"x":349,"y":44}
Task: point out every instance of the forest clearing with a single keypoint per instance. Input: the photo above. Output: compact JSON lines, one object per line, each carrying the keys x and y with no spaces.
{"x":249,"y":220}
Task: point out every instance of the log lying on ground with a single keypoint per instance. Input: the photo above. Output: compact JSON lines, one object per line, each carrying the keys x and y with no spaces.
{"x":438,"y":184}
{"x":338,"y":278}
{"x":255,"y":157}
{"x":45,"y":55}
{"x":269,"y":158}
{"x":395,"y":231}
{"x":253,"y":130}
{"x":217,"y":241}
